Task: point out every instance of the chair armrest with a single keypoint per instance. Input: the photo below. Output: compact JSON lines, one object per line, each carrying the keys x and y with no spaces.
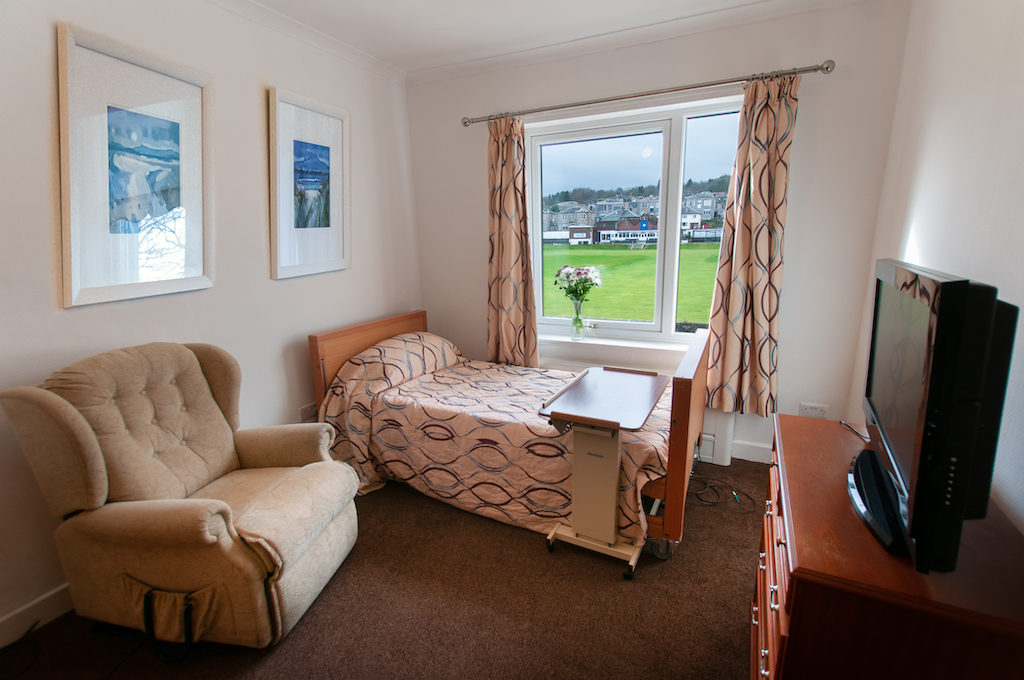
{"x":61,"y":448}
{"x":165,"y":523}
{"x":283,"y":445}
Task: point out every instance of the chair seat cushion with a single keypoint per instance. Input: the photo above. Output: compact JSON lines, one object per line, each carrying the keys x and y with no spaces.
{"x":281,"y":511}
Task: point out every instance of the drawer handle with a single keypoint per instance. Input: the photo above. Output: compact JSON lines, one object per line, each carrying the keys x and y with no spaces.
{"x":760,"y":562}
{"x":753,"y":615}
{"x":768,"y":508}
{"x":764,"y":672}
{"x":773,"y":598}
{"x":780,"y":541}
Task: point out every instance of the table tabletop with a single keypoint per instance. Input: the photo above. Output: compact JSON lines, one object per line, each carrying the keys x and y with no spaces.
{"x":608,"y":397}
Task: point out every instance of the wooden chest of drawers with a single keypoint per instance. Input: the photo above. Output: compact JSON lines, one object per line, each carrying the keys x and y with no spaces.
{"x":830,"y":602}
{"x":769,"y":618}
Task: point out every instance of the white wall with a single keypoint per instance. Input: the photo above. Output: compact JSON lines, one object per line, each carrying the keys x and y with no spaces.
{"x":953,"y":176}
{"x":838,"y":157}
{"x":853,"y":197}
{"x":262,"y":322}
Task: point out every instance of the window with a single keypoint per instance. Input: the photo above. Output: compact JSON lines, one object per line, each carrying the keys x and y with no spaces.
{"x":654,"y":184}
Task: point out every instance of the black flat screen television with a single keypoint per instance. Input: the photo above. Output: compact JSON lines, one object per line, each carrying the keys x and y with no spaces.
{"x":937,"y":374}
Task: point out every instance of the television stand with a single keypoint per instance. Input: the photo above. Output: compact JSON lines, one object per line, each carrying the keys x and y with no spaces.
{"x":831,"y":602}
{"x":873,"y":496}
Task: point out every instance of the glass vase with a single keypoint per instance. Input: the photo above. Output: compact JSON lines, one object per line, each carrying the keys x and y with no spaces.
{"x":577,"y":327}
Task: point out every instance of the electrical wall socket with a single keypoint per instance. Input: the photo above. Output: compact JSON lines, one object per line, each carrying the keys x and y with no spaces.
{"x":307,"y":413}
{"x":809,"y":410}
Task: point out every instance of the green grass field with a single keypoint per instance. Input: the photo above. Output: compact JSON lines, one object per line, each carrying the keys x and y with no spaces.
{"x":627,"y":287}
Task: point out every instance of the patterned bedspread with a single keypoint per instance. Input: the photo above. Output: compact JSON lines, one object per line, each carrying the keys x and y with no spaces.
{"x":467,"y":432}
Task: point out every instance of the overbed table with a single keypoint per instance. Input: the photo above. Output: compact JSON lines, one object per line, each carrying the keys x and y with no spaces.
{"x":597,"y":405}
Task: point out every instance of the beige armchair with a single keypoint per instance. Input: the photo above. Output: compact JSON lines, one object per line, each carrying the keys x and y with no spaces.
{"x":175,"y":521}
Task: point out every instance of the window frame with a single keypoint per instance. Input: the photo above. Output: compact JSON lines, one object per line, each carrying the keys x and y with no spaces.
{"x":669,"y":119}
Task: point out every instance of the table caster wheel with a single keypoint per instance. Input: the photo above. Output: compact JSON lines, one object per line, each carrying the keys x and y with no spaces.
{"x":660,"y":548}
{"x":628,"y":573}
{"x":551,"y":546}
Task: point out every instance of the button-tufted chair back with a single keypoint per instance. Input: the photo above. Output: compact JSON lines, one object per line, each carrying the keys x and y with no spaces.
{"x":159,"y":426}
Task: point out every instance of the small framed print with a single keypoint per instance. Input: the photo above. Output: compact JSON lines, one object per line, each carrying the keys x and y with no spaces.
{"x":132,"y":167}
{"x":309,"y":187}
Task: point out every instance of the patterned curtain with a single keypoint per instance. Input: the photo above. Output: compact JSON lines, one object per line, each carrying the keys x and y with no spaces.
{"x":743,"y":359}
{"x":511,"y":318}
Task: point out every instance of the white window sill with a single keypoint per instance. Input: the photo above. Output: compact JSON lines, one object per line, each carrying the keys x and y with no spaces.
{"x":560,"y":351}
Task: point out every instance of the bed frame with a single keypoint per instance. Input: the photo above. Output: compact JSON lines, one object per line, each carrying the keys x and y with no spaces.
{"x":329,"y":350}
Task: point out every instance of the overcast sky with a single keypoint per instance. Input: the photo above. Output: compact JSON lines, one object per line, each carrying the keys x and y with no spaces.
{"x":636,"y":160}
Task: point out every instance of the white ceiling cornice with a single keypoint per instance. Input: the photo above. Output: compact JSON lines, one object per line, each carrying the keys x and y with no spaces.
{"x":428,"y":50}
{"x":736,"y":15}
{"x":275,"y":21}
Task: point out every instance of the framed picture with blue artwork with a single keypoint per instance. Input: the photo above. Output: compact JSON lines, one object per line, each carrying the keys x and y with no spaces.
{"x":309,"y":186}
{"x":132,"y":168}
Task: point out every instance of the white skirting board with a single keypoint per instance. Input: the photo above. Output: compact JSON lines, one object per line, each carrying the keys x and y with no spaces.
{"x":43,"y":609}
{"x":755,"y":451}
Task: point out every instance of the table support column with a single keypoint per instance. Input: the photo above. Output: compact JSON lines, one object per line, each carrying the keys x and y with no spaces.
{"x":597,"y":454}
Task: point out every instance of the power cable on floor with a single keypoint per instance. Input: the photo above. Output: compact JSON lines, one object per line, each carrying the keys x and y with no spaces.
{"x":706,"y":490}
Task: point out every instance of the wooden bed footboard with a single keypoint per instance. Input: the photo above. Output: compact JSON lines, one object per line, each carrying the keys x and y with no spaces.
{"x":689,"y":388}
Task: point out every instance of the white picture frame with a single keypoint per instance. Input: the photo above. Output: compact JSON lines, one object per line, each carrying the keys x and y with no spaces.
{"x":133,"y":160}
{"x":310,"y":201}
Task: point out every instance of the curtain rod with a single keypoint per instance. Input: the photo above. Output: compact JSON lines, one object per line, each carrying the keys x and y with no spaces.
{"x":826,"y":66}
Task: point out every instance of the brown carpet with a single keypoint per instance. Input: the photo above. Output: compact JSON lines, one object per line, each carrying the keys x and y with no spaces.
{"x":430,"y":591}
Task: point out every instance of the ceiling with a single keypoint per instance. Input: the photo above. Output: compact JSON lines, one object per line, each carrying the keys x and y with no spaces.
{"x":421,"y":35}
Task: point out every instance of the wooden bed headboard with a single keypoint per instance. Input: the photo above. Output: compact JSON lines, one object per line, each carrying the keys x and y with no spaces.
{"x":329,"y":350}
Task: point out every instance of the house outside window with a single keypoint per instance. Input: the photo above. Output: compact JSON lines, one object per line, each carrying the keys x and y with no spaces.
{"x":632,"y":172}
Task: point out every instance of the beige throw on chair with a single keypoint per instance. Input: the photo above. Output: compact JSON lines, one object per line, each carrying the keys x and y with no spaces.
{"x":743,"y":358}
{"x":175,"y":521}
{"x":511,"y":317}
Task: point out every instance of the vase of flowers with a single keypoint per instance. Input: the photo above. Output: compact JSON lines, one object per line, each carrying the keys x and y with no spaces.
{"x":576,"y":283}
{"x":578,"y":327}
